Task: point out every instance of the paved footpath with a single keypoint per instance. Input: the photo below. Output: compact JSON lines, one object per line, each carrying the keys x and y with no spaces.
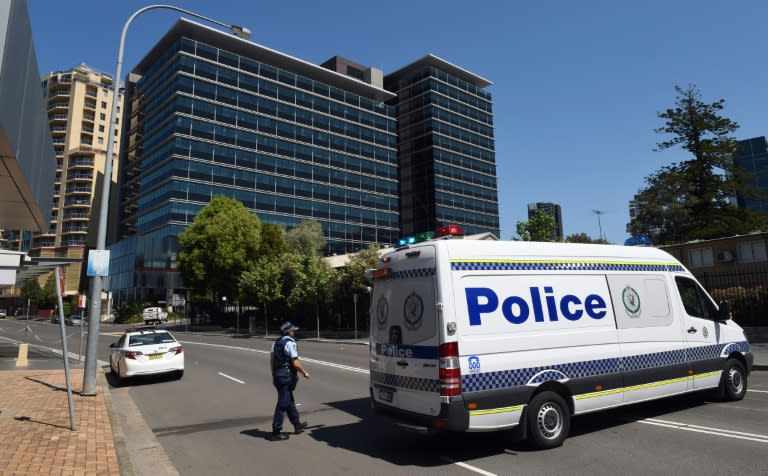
{"x":35,"y":428}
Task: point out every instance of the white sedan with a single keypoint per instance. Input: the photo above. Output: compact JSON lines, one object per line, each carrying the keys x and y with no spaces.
{"x":146,"y":351}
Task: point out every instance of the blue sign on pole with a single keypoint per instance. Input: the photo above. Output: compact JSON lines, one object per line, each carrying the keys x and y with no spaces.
{"x":98,"y":263}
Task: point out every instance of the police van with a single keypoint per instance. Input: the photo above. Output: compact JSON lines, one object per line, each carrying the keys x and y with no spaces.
{"x":471,"y":335}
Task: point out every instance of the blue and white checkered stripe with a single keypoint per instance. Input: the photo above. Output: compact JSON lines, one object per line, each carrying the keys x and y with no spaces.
{"x":516,"y":265}
{"x":411,"y":274}
{"x":516,"y":377}
{"x":411,"y":383}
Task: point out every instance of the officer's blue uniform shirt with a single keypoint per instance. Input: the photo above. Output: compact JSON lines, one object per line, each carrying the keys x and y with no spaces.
{"x":290,"y":349}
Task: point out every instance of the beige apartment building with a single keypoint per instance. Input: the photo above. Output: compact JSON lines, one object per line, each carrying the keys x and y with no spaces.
{"x":78,"y":103}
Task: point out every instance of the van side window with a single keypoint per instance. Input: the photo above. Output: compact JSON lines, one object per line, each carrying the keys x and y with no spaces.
{"x":695,"y":299}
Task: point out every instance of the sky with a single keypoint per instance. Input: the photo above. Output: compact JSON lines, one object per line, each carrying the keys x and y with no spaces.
{"x":577,"y":86}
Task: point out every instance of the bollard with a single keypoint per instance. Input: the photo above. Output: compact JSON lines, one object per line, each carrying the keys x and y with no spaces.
{"x":22,"y":361}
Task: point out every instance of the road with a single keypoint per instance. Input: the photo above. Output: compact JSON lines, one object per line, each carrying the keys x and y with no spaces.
{"x":216,"y":420}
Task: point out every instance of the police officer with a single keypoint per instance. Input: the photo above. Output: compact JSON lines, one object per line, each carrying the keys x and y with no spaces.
{"x":285,"y":365}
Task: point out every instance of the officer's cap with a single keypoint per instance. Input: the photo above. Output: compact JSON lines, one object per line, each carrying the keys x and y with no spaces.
{"x":288,"y":327}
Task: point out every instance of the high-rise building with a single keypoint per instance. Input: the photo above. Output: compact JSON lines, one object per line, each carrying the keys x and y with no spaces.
{"x":210,"y":114}
{"x":752,"y":159}
{"x":553,"y":210}
{"x":445,"y":147}
{"x":78,"y":103}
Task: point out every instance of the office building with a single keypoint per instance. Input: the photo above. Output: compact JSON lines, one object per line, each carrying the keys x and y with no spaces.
{"x":339,"y":143}
{"x":210,"y":114}
{"x":446,"y":147}
{"x":553,"y":210}
{"x":78,"y":103}
{"x":752,"y":159}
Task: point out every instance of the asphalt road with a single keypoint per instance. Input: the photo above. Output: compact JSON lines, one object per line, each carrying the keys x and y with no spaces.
{"x":216,"y":420}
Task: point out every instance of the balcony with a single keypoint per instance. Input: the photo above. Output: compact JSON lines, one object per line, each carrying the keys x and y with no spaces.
{"x":76,"y":215}
{"x":89,"y":117}
{"x":87,"y":129}
{"x":78,"y":189}
{"x":58,"y":105}
{"x":75,"y":229}
{"x":79,"y":177}
{"x":77,"y":203}
{"x":80,"y":162}
{"x":90,"y":105}
{"x":57,"y":117}
{"x":56,"y":92}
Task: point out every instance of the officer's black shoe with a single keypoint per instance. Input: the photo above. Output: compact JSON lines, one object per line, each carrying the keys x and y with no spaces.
{"x":277,"y":436}
{"x":298,"y":429}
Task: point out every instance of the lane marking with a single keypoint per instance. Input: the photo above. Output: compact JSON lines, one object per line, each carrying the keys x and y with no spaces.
{"x":303,"y":359}
{"x":230,"y":377}
{"x":467,"y":466}
{"x":758,"y":391}
{"x":707,"y":430}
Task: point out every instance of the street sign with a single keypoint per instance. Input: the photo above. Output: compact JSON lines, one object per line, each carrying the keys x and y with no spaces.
{"x":81,"y":301}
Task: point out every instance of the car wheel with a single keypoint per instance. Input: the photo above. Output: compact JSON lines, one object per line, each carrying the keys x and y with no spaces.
{"x":548,"y":420}
{"x":733,"y":382}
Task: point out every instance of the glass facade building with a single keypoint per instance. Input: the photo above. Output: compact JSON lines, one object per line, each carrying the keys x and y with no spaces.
{"x":209,"y":114}
{"x":446,"y":148}
{"x":752,"y":159}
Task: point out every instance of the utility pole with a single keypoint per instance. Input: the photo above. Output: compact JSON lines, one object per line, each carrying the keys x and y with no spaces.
{"x":599,"y":224}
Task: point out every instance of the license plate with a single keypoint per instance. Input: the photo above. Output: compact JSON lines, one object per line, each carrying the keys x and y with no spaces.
{"x":385,"y":395}
{"x":155,"y":356}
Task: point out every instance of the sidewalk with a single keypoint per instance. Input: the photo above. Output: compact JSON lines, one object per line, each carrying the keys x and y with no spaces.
{"x":35,"y":425}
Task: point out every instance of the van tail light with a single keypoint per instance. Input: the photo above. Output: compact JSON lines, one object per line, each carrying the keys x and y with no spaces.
{"x":177,"y":350}
{"x":450,"y":371}
{"x":132,"y":354}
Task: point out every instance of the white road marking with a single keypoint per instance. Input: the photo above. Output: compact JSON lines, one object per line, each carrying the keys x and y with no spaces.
{"x":467,"y":466}
{"x":303,"y":359}
{"x":707,"y":430}
{"x":758,"y":391}
{"x":230,"y":377}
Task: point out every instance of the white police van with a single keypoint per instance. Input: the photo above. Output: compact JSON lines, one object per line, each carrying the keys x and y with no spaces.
{"x":473,"y":335}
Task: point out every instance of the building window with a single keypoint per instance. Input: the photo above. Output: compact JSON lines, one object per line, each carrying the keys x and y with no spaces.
{"x":700,"y":257}
{"x":101,"y":128}
{"x":752,"y":251}
{"x":101,"y":140}
{"x":103,"y":104}
{"x":102,"y":116}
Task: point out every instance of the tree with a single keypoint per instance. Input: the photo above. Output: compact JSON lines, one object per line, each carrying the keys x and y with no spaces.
{"x":272,"y":243}
{"x":48,"y":297}
{"x":263,"y":282}
{"x":222,"y":242}
{"x":541,"y":227}
{"x":32,"y":292}
{"x":584,"y":238}
{"x":350,"y":280}
{"x":307,"y":237}
{"x":692,"y":199}
{"x":311,"y":275}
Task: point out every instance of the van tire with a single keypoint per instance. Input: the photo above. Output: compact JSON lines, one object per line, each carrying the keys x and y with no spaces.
{"x":733,"y":382}
{"x":548,"y":421}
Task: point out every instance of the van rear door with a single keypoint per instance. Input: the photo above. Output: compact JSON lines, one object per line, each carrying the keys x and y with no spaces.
{"x":404,"y":332}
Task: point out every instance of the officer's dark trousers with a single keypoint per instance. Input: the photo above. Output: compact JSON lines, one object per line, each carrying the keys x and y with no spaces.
{"x":285,"y":404}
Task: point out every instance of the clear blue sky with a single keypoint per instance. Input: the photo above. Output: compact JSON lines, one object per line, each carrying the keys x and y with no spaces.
{"x":577,"y":85}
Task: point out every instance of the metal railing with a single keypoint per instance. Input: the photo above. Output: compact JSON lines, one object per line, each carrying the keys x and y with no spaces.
{"x":747,"y":292}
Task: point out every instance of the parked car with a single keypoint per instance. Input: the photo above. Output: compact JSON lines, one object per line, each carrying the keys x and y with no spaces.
{"x":3,"y":313}
{"x":146,"y":351}
{"x":154,"y":315}
{"x":74,"y":320}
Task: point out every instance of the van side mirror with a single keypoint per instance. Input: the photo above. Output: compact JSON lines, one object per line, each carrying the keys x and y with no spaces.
{"x":724,"y":311}
{"x":112,"y":345}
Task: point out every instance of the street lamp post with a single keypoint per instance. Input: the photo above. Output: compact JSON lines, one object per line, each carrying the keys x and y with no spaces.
{"x":94,"y":315}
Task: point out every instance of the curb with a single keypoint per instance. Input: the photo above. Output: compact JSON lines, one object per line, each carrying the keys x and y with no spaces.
{"x":123,"y":457}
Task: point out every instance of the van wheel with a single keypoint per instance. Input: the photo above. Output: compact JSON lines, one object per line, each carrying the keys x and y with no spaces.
{"x":548,"y":421}
{"x":733,"y":383}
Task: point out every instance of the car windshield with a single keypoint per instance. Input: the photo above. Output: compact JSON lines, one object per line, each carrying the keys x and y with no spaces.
{"x":151,"y":338}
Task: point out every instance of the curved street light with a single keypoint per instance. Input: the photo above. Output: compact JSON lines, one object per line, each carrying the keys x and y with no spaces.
{"x":94,"y":315}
